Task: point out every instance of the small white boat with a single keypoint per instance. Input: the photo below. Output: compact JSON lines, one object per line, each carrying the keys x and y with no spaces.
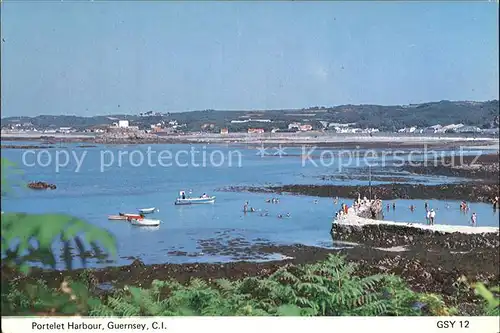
{"x":191,"y":201}
{"x":145,"y":222}
{"x":147,"y":210}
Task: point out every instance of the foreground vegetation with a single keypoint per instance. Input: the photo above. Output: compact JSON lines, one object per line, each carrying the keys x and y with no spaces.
{"x":328,"y":288}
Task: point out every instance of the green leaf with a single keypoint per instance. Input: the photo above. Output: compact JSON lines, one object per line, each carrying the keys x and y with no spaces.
{"x":288,"y":310}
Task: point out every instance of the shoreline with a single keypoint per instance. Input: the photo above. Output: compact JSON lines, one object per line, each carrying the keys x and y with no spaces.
{"x":300,"y":139}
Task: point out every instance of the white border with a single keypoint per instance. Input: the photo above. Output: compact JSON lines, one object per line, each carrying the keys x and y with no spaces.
{"x":260,"y":324}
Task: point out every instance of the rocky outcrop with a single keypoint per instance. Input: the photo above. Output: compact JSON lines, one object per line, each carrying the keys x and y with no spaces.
{"x":372,"y":211}
{"x":470,"y":192}
{"x":41,"y":186}
{"x":384,"y":235}
{"x":126,"y":136}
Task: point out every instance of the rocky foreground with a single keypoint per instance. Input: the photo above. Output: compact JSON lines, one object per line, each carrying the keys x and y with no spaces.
{"x":437,"y":271}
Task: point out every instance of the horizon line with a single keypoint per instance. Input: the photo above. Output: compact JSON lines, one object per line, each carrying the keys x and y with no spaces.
{"x":254,"y":110}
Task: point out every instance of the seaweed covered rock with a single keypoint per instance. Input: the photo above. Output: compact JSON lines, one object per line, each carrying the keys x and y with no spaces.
{"x":41,"y":186}
{"x":383,"y":235}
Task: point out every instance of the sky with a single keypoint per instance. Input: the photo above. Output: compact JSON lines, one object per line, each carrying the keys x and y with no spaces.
{"x":91,"y":58}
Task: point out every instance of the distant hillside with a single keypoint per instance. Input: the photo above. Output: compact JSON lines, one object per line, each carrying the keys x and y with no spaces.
{"x":390,"y":118}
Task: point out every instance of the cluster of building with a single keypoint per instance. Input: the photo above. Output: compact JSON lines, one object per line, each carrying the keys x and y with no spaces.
{"x":452,"y":128}
{"x":349,"y":128}
{"x":29,"y":127}
{"x":164,"y":127}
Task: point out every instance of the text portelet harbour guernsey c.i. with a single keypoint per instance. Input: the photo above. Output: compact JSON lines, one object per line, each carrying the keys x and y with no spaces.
{"x":111,"y":325}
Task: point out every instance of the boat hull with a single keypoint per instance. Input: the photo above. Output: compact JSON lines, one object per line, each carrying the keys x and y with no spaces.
{"x":145,"y":222}
{"x":194,"y":201}
{"x":116,"y":217}
{"x":132,"y":216}
{"x":147,"y":210}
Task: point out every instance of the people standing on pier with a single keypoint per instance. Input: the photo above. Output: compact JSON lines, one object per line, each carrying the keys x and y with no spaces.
{"x":432,"y":216}
{"x":473,"y":219}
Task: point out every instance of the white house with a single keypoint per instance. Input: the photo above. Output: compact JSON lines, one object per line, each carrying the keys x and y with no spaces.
{"x":123,"y":123}
{"x":64,"y":129}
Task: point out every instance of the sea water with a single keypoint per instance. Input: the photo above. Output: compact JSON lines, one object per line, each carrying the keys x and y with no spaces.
{"x":210,"y":232}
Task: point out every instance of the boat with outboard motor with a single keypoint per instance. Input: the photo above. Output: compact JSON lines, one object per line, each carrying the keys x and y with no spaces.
{"x":183,"y":200}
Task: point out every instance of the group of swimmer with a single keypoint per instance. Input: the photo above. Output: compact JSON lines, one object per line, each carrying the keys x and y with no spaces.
{"x":430,"y":214}
{"x":393,"y":206}
{"x":247,"y":209}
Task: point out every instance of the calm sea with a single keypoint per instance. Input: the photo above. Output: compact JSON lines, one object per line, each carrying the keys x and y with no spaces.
{"x":111,"y":179}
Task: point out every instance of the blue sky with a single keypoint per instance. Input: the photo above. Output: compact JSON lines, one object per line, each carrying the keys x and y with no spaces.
{"x":93,"y":58}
